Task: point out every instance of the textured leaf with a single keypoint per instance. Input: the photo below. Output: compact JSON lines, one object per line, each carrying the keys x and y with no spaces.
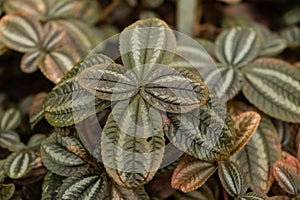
{"x":63,"y":155}
{"x":54,"y":35}
{"x":120,"y":193}
{"x":109,"y":82}
{"x":61,"y":9}
{"x":206,"y":133}
{"x":9,"y":139}
{"x":132,"y":143}
{"x":290,"y":160}
{"x":29,"y":62}
{"x":174,"y":90}
{"x":233,"y":179}
{"x":274,"y":87}
{"x":32,"y":7}
{"x":191,"y":173}
{"x":2,"y":172}
{"x":245,"y":126}
{"x":36,"y":116}
{"x":18,"y":164}
{"x":147,"y":41}
{"x":272,"y":46}
{"x":7,"y":191}
{"x":50,"y":185}
{"x":237,"y":46}
{"x":35,"y":141}
{"x":21,"y":32}
{"x":10,"y":119}
{"x":259,"y":155}
{"x":292,"y":36}
{"x":252,"y":196}
{"x":88,"y":184}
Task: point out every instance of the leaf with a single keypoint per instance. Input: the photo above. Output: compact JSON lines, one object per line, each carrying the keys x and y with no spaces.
{"x":88,"y":11}
{"x":35,"y":141}
{"x":192,"y":173}
{"x":148,"y":41}
{"x":2,"y":172}
{"x":206,"y":133}
{"x":245,"y":126}
{"x":237,"y":46}
{"x":25,"y":6}
{"x":292,"y":17}
{"x":273,"y":86}
{"x":54,"y":35}
{"x":132,"y":143}
{"x":35,"y":117}
{"x":120,"y":193}
{"x":272,"y":46}
{"x":50,"y":186}
{"x":109,"y":82}
{"x":10,"y":119}
{"x":19,"y":163}
{"x":174,"y":90}
{"x":63,"y":155}
{"x":252,"y":196}
{"x":279,"y":198}
{"x":208,"y":46}
{"x":233,"y":179}
{"x":290,"y":160}
{"x":61,"y":9}
{"x":11,"y":140}
{"x":292,"y":36}
{"x":21,"y":32}
{"x":259,"y":155}
{"x":287,"y":178}
{"x":29,"y":61}
{"x":7,"y":191}
{"x":87,"y":184}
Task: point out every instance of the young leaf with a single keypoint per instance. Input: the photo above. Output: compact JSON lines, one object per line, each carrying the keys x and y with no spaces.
{"x":292,"y":36}
{"x":63,"y":155}
{"x":132,"y":143}
{"x":120,"y":193}
{"x":29,"y":61}
{"x":245,"y":126}
{"x":19,"y":163}
{"x":25,"y":6}
{"x":109,"y":82}
{"x":147,"y":41}
{"x":10,"y":119}
{"x":252,"y":196}
{"x":259,"y":155}
{"x":21,"y":32}
{"x":191,"y":173}
{"x":237,"y":46}
{"x":35,"y":141}
{"x":292,"y":17}
{"x":273,"y":86}
{"x":233,"y":179}
{"x":9,"y":139}
{"x":272,"y":45}
{"x":206,"y":133}
{"x":7,"y":191}
{"x":87,"y":184}
{"x":180,"y":92}
{"x":50,"y":186}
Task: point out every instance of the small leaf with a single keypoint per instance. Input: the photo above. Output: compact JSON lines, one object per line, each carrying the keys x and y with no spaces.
{"x":245,"y":126}
{"x":272,"y":46}
{"x":120,"y":193}
{"x":292,"y":36}
{"x":61,"y":9}
{"x":50,"y":185}
{"x":132,"y":143}
{"x":87,"y":184}
{"x":273,"y":86}
{"x":2,"y":172}
{"x":63,"y":155}
{"x":35,"y":141}
{"x":237,"y":46}
{"x":7,"y":191}
{"x":29,"y":61}
{"x":10,"y":120}
{"x":292,"y":17}
{"x":54,"y":35}
{"x":21,"y":32}
{"x":109,"y":82}
{"x":233,"y":179}
{"x":31,"y":7}
{"x":174,"y":90}
{"x":88,"y":11}
{"x":36,"y":116}
{"x":191,"y":173}
{"x":11,"y":140}
{"x":252,"y":196}
{"x":206,"y":133}
{"x":147,"y":41}
{"x":19,"y":163}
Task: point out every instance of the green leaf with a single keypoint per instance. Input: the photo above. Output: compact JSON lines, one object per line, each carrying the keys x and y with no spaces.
{"x":174,"y":90}
{"x":25,"y":6}
{"x":233,"y":179}
{"x":132,"y":142}
{"x":259,"y":155}
{"x":272,"y":46}
{"x":237,"y":46}
{"x":35,"y":141}
{"x":11,"y":140}
{"x":36,"y":117}
{"x":292,"y":17}
{"x":63,"y":155}
{"x":2,"y":172}
{"x":54,"y":35}
{"x":7,"y":191}
{"x":21,"y":32}
{"x":109,"y":82}
{"x":88,"y":11}
{"x":50,"y":186}
{"x":206,"y":133}
{"x":273,"y":86}
{"x":292,"y":36}
{"x":87,"y":184}
{"x":28,"y":62}
{"x":252,"y":196}
{"x":61,"y":9}
{"x":10,"y":119}
{"x":148,"y":41}
{"x":191,"y":173}
{"x":208,"y":46}
{"x":19,"y":163}
{"x":120,"y":193}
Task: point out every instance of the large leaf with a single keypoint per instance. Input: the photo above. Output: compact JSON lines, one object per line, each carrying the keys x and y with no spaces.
{"x":174,"y":90}
{"x":259,"y":155}
{"x":206,"y":133}
{"x":109,"y":82}
{"x":120,"y":193}
{"x":132,"y":142}
{"x":237,"y":46}
{"x":50,"y":185}
{"x":232,"y":178}
{"x":87,"y":184}
{"x":191,"y":173}
{"x":10,"y":119}
{"x":148,"y":41}
{"x":274,"y":87}
{"x":63,"y":155}
{"x":21,"y":32}
{"x":7,"y":191}
{"x":19,"y":163}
